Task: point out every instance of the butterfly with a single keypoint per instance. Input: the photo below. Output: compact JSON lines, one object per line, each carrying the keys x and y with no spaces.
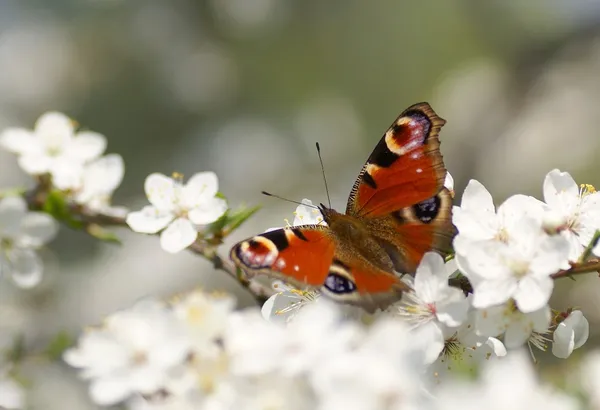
{"x":397,"y":211}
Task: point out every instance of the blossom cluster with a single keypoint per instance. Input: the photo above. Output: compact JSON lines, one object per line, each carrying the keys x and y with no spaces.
{"x":460,"y":332}
{"x":196,"y":352}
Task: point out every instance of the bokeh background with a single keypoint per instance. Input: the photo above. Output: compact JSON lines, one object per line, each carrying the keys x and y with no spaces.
{"x":246,"y":87}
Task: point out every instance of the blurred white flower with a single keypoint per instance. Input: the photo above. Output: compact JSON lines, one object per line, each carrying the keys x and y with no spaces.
{"x":205,"y":318}
{"x":98,"y":180}
{"x":517,"y":327}
{"x":518,"y":268}
{"x":464,"y":351}
{"x":572,"y":211}
{"x":433,"y":304}
{"x":21,"y":233}
{"x":54,"y":147}
{"x":570,"y":334}
{"x":132,"y":353}
{"x":510,"y":383}
{"x":308,"y":214}
{"x":590,"y":378}
{"x":287,"y":302}
{"x":381,"y":373}
{"x":258,"y":347}
{"x":12,"y":395}
{"x":477,"y":220}
{"x":178,"y":208}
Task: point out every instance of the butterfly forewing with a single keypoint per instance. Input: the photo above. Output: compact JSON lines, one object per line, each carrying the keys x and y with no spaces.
{"x":405,"y":168}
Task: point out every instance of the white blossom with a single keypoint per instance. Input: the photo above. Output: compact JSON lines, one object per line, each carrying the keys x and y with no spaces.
{"x":308,"y":214}
{"x":257,"y":346}
{"x":287,"y":302}
{"x":510,"y":383}
{"x":53,"y":147}
{"x":477,"y":220}
{"x":98,"y":180}
{"x":572,"y":211}
{"x":21,"y":233}
{"x":518,"y":268}
{"x":132,"y":352}
{"x":570,"y":334}
{"x":433,"y":304}
{"x":517,"y":327}
{"x":179,"y":208}
{"x":464,"y":351}
{"x":590,"y":378}
{"x":204,"y":317}
{"x":12,"y":394}
{"x":381,"y":373}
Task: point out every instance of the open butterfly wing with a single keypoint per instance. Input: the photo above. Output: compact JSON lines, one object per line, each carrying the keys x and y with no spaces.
{"x":299,"y":255}
{"x":405,"y":168}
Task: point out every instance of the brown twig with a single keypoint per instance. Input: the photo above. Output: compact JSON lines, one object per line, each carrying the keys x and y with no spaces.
{"x":592,"y":265}
{"x":36,"y":199}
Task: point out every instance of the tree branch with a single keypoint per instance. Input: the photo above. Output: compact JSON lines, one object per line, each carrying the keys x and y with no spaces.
{"x":37,"y":197}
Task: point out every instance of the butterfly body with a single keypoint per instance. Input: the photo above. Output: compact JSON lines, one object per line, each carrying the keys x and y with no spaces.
{"x":397,"y":211}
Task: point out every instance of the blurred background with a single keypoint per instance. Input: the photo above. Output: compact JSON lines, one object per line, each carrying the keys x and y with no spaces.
{"x":246,"y":87}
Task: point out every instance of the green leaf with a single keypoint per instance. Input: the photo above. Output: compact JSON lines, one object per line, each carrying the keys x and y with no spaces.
{"x":56,"y":204}
{"x":239,"y":216}
{"x":103,"y":234}
{"x":61,"y":342}
{"x":231,"y":220}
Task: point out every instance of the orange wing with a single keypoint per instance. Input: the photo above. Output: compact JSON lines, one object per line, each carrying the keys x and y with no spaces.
{"x":405,"y":168}
{"x":297,"y":255}
{"x":368,"y":287}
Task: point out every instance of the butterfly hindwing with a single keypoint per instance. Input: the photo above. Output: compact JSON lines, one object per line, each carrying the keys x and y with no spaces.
{"x":405,"y":168}
{"x":407,"y":234}
{"x":297,"y":255}
{"x":368,"y":287}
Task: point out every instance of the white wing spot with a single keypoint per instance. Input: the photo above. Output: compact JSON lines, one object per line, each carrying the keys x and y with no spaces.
{"x":296,"y":268}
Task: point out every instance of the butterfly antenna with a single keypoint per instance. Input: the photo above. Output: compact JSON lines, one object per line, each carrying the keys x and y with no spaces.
{"x":287,"y":200}
{"x":323,"y":172}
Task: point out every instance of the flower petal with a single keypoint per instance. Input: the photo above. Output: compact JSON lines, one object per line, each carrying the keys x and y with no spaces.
{"x":476,"y":198}
{"x":452,"y":311}
{"x":559,"y":186}
{"x":55,"y":130}
{"x":37,"y":229}
{"x":563,"y":341}
{"x":107,"y":391}
{"x":581,"y":327}
{"x":489,"y":292}
{"x":161,"y":191}
{"x":200,"y":188}
{"x":179,"y":235}
{"x":86,"y":146}
{"x":27,"y":267}
{"x":570,"y":334}
{"x":517,"y":333}
{"x":12,"y":395}
{"x":35,"y":163}
{"x":533,"y":293}
{"x":66,"y":174}
{"x":211,"y":210}
{"x":12,"y":211}
{"x":431,"y":337}
{"x":19,"y":141}
{"x":101,"y":177}
{"x":149,"y":220}
{"x":430,"y":279}
{"x":491,"y":321}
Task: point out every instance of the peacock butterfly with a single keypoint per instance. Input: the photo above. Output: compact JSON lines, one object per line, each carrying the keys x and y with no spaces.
{"x":397,"y":211}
